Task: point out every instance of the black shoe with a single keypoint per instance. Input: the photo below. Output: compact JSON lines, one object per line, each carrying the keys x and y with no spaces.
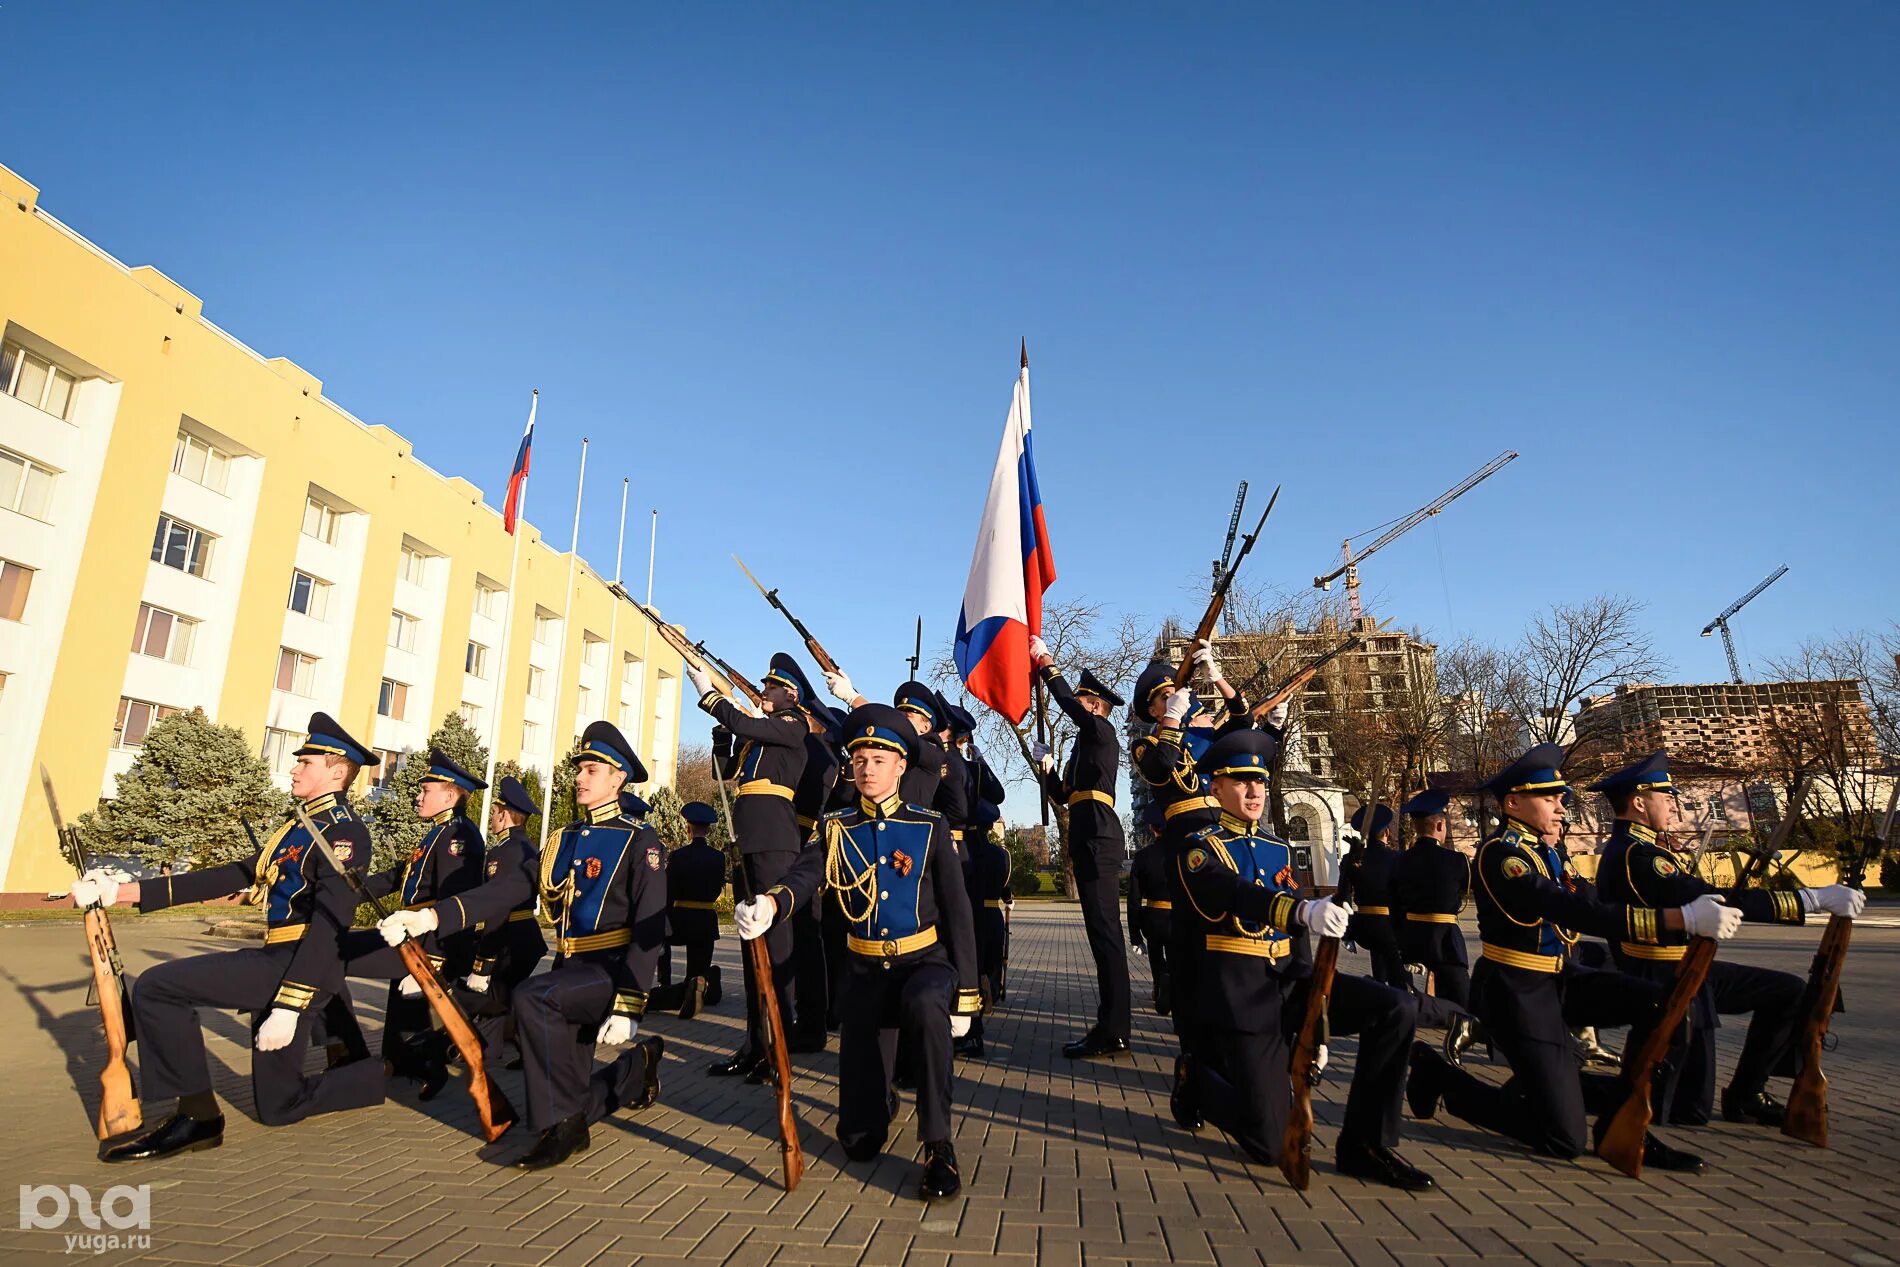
{"x":905,"y":1081}
{"x":1660,"y":1156}
{"x":1423,"y":1084}
{"x":714,"y":992}
{"x":650,"y":1089}
{"x":762,"y":1074}
{"x":431,"y":1079}
{"x":738,"y":1066}
{"x":1181,"y":1102}
{"x":1459,"y":1035}
{"x":940,"y":1172}
{"x":1740,"y":1106}
{"x":1093,"y":1044}
{"x":806,"y":1043}
{"x":864,"y":1149}
{"x":969,"y":1047}
{"x":559,"y":1142}
{"x":176,"y":1134}
{"x":694,"y":1000}
{"x":1164,"y":998}
{"x":1381,"y":1165}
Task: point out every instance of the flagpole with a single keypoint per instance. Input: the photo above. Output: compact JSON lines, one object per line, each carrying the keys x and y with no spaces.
{"x":508,"y":612}
{"x":567,"y":618}
{"x":646,"y":626}
{"x":613,"y":621}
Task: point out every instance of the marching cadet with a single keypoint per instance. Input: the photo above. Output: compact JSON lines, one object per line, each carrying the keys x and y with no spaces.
{"x":511,"y":942}
{"x":309,"y":905}
{"x":765,"y":756}
{"x":1097,"y":847}
{"x":695,"y":878}
{"x":1640,"y":868}
{"x":806,"y":1033}
{"x":1428,"y":890}
{"x":913,"y":971}
{"x":1526,"y":990}
{"x":1368,"y":885}
{"x":1151,"y":906}
{"x":608,"y":906}
{"x":1241,"y":905}
{"x":986,"y":868}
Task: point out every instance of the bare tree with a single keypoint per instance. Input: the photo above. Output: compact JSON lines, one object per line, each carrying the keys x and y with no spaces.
{"x":1573,"y":652}
{"x":1477,"y":683}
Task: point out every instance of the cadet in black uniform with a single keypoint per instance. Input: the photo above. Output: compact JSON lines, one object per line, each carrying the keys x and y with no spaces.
{"x":986,"y":868}
{"x":1239,"y":883}
{"x":983,"y":787}
{"x":1528,"y":992}
{"x":1638,"y":867}
{"x":765,"y":757}
{"x":1151,"y":906}
{"x":1368,"y":885}
{"x":912,"y":944}
{"x":283,"y":983}
{"x":1097,"y":847}
{"x":1428,"y":891}
{"x":511,"y":942}
{"x":806,"y":1032}
{"x":695,"y":879}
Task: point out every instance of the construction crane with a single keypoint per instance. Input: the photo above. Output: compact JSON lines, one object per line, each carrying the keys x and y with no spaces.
{"x":1227,"y":549}
{"x":1721,"y":622}
{"x":1350,"y":568}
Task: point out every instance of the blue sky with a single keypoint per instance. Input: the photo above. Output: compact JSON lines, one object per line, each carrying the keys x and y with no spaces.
{"x":775,"y":262}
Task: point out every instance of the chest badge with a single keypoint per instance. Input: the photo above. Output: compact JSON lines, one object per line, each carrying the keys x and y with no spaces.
{"x":901,"y":862}
{"x":593,"y":868}
{"x":1285,"y":879}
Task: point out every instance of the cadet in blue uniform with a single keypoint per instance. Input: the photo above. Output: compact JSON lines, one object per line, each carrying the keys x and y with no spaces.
{"x":1252,"y":989}
{"x":1639,"y":867}
{"x":1428,"y":891}
{"x":1368,"y":885}
{"x":1151,"y":906}
{"x":695,"y":879}
{"x":765,"y":757}
{"x":986,"y":868}
{"x":283,"y":983}
{"x":1527,"y":991}
{"x":912,"y":943}
{"x":1097,"y":847}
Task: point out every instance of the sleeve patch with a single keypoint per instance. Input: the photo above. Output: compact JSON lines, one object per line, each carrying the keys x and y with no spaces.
{"x":1515,"y":868}
{"x":653,"y":858}
{"x":1664,"y":867}
{"x":1196,"y":859}
{"x":494,"y":867}
{"x":342,"y":850}
{"x":455,"y":849}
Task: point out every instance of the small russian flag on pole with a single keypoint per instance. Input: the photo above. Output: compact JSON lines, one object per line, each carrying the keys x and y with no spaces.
{"x":1012,"y":567}
{"x":511,"y":505}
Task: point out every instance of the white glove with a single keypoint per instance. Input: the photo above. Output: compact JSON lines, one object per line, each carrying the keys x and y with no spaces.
{"x":95,"y":886}
{"x":754,"y":916}
{"x":1177,"y":706}
{"x":1708,"y":917}
{"x":277,"y":1030}
{"x":1204,"y":656}
{"x":403,"y":925}
{"x":959,"y":1026}
{"x":701,"y":680}
{"x":1045,"y":759}
{"x":1835,"y":899}
{"x":1277,"y":715}
{"x":1325,"y":917}
{"x":617,"y":1030}
{"x":1038,"y":649}
{"x":409,"y":988}
{"x":476,"y":981}
{"x":1320,"y":1057}
{"x":840,"y":685}
{"x":1139,"y":949}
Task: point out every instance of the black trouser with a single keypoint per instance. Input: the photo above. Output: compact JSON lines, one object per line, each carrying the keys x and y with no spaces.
{"x":1731,"y":989}
{"x":1098,"y":885}
{"x":489,"y":1011}
{"x":1375,"y":935}
{"x":1157,"y":930}
{"x":1528,"y":1016}
{"x":882,"y":1001}
{"x":366,"y":954}
{"x":809,"y":972}
{"x":1245,"y":1088}
{"x":557,"y":1015}
{"x":1441,"y":948}
{"x":763,"y":870}
{"x":171,"y":1045}
{"x":836,"y":929}
{"x":992,"y":933}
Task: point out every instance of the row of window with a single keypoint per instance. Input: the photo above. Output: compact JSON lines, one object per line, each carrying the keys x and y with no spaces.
{"x":29,"y":377}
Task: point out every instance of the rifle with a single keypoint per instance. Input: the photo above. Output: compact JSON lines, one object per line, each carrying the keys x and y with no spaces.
{"x":1217,"y":601}
{"x":917,"y":653}
{"x":738,"y":679}
{"x":699,"y":657}
{"x":818,"y":652}
{"x":118,"y":1099}
{"x":791,"y":1155}
{"x":1296,"y":1146}
{"x":1622,"y":1142}
{"x":1301,"y":676}
{"x":1806,"y":1118}
{"x":496,"y":1113}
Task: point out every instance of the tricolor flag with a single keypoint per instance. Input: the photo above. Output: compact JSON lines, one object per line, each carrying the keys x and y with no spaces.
{"x":1002,"y":601}
{"x":511,"y":505}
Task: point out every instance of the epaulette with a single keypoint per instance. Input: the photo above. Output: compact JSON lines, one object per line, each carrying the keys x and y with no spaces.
{"x":1510,"y":836}
{"x":922,"y":809}
{"x":840,"y":813}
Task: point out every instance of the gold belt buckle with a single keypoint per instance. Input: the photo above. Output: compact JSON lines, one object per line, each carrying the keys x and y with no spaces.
{"x":890,"y":948}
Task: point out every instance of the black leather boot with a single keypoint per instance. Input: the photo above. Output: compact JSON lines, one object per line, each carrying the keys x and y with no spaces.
{"x":1181,"y":1099}
{"x":1423,"y":1085}
{"x":556,"y":1144}
{"x":940,"y":1172}
{"x":176,"y":1134}
{"x":1741,"y":1106}
{"x":738,"y":1066}
{"x":694,"y":1000}
{"x":1380,"y":1165}
{"x":650,"y":1088}
{"x":1093,"y":1044}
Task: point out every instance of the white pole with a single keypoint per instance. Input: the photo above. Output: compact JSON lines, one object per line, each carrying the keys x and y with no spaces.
{"x":567,"y":621}
{"x":613,"y":622}
{"x":508,"y":616}
{"x":646,"y":627}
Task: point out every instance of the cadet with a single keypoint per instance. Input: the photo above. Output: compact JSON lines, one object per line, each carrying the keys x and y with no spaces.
{"x":695,"y":879}
{"x":806,"y":1032}
{"x":1097,"y":847}
{"x":913,"y":971}
{"x":1367,"y":885}
{"x":1639,"y":867}
{"x":1151,"y":906}
{"x":1428,"y":890}
{"x":511,"y":941}
{"x":1527,"y":991}
{"x":982,"y":783}
{"x":986,"y":868}
{"x":766,"y":764}
{"x":308,"y":906}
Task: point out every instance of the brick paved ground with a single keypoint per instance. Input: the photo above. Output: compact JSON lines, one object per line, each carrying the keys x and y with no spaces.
{"x":1065,"y":1164}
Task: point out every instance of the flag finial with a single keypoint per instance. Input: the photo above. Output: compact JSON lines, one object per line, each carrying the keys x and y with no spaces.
{"x":1025,"y":352}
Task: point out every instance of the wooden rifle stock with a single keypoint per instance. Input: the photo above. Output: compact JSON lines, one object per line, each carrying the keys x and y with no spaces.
{"x":497,"y":1115}
{"x":1217,"y":601}
{"x":700,"y":658}
{"x":119,"y":1110}
{"x":1296,"y":1146}
{"x":1622,"y":1142}
{"x":1306,"y":673}
{"x":1806,"y":1118}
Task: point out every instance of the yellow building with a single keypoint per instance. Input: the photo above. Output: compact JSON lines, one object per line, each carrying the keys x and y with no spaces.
{"x":184,"y":522}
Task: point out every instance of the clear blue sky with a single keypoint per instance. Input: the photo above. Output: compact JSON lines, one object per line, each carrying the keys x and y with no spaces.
{"x":775,"y":263}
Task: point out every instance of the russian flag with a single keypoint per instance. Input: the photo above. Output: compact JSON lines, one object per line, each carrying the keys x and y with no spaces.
{"x":1013,"y":565}
{"x":518,"y":477}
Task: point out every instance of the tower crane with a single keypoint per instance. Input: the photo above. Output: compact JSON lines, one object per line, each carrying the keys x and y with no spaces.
{"x":1721,"y":622}
{"x":1233,"y":530}
{"x":1350,"y":568}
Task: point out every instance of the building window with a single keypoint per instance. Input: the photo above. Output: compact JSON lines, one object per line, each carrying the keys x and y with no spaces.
{"x":15,"y":582}
{"x":593,"y":651}
{"x":475,"y":664}
{"x":296,"y":672}
{"x":415,"y":566}
{"x":35,"y":380}
{"x":393,"y":701}
{"x":163,"y":635}
{"x":199,"y":462}
{"x":530,"y":736}
{"x":544,"y":627}
{"x":280,"y":747}
{"x":136,"y":718}
{"x":487,"y":601}
{"x":25,"y":485}
{"x":537,"y":682}
{"x":319,"y":521}
{"x":583,"y":703}
{"x":471,"y":713}
{"x":402,"y":631}
{"x":381,"y":776}
{"x":1296,"y":828}
{"x":177,"y":544}
{"x":308,"y":595}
